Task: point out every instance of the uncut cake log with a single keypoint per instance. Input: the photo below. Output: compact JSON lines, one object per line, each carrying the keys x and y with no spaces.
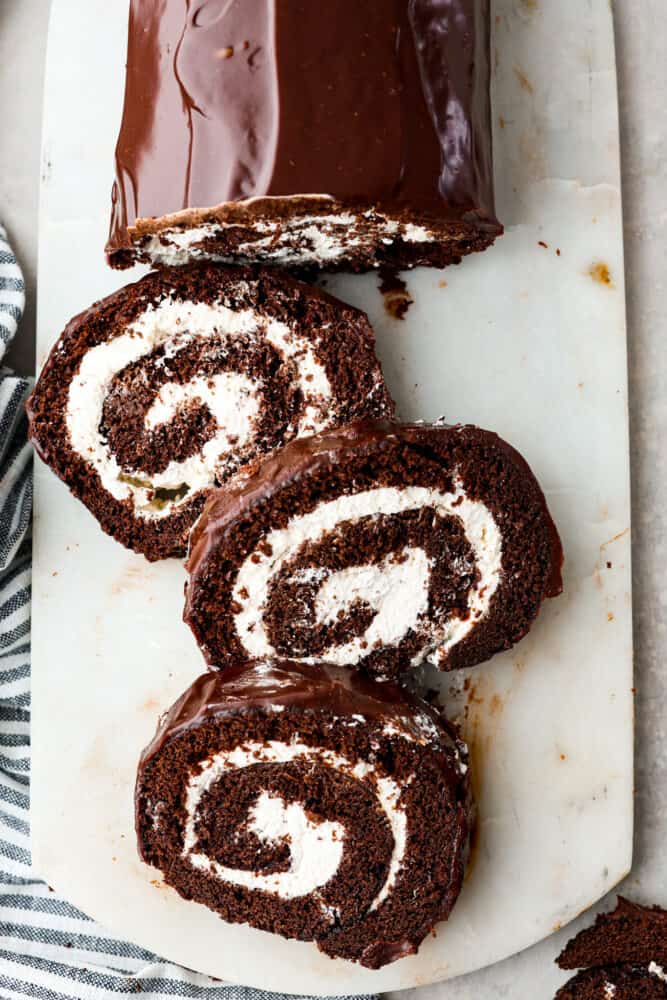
{"x":177,"y":383}
{"x":310,"y":802}
{"x":338,"y":134}
{"x":378,"y":546}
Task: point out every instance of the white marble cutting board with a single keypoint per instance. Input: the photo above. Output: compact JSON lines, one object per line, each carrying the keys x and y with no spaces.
{"x":527,"y":339}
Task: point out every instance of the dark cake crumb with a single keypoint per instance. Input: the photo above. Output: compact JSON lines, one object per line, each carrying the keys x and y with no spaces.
{"x":623,"y":956}
{"x":630,"y":933}
{"x":397,"y":299}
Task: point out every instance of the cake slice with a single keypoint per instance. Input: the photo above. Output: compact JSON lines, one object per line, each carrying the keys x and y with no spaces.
{"x":378,"y":546}
{"x":335,"y":134}
{"x":617,"y":982}
{"x":630,"y":933}
{"x":176,"y":384}
{"x":309,"y":802}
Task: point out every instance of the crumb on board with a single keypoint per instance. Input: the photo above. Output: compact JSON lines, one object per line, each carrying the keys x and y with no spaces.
{"x":397,"y":299}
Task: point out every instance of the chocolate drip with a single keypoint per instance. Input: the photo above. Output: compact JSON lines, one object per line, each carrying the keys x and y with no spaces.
{"x":264,"y":684}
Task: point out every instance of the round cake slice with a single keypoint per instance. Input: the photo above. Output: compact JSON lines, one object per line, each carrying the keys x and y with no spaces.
{"x":377,"y":546}
{"x":173,"y":385}
{"x":310,"y":802}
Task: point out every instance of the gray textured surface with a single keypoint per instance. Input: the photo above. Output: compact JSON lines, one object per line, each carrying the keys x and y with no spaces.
{"x":641,"y":41}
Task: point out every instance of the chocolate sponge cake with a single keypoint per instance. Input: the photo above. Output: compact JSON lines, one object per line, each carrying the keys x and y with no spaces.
{"x":623,"y":956}
{"x":617,"y":982}
{"x":173,"y":385}
{"x":377,"y":546}
{"x":335,"y":134}
{"x":309,"y":802}
{"x":630,"y":933}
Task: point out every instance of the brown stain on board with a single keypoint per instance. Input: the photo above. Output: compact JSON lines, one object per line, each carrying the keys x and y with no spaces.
{"x":524,"y":82}
{"x":599,"y":271}
{"x":496,"y":705}
{"x":133,"y":577}
{"x":614,"y":538}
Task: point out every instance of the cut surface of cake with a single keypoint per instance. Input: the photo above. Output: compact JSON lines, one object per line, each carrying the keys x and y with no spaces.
{"x":378,"y":546}
{"x":623,"y":956}
{"x":630,"y":933}
{"x":312,"y":803}
{"x":617,"y":982}
{"x":175,"y":384}
{"x":331,"y":134}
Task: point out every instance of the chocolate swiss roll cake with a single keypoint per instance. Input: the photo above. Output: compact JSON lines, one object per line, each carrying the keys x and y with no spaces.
{"x":310,"y":802}
{"x":334,"y":134}
{"x":175,"y":384}
{"x":377,"y":546}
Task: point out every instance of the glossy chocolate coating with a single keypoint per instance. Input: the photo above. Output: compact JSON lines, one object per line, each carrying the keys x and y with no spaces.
{"x":307,"y":455}
{"x":383,"y":103}
{"x":263,"y":684}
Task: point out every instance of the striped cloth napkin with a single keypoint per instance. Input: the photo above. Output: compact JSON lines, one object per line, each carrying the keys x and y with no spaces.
{"x":48,"y":949}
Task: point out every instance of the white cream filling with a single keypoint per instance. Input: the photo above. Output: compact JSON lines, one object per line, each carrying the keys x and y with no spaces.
{"x":657,"y":970}
{"x":234,"y":400}
{"x":328,"y":237}
{"x":316,"y":849}
{"x":397,"y":592}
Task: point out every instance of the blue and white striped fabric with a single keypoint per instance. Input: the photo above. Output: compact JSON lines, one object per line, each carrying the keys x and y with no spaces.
{"x":48,"y":949}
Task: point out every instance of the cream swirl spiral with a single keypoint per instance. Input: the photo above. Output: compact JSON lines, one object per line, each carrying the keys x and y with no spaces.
{"x":302,"y":801}
{"x":175,"y":385}
{"x":395,"y":589}
{"x":378,"y":547}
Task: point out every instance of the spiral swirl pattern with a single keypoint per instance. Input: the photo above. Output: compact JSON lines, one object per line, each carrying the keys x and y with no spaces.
{"x":315,"y":848}
{"x":381,"y":603}
{"x":182,"y":382}
{"x":378,"y":546}
{"x":204,"y":338}
{"x":306,"y":803}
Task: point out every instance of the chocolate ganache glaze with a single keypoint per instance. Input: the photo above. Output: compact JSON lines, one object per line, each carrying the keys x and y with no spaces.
{"x":295,"y":132}
{"x":264,"y":684}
